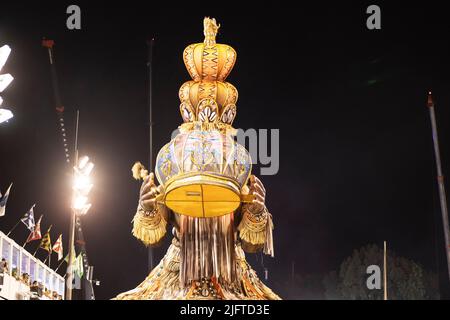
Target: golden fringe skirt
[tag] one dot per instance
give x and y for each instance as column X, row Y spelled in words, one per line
column 163, row 283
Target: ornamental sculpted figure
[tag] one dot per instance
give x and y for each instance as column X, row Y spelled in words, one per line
column 206, row 193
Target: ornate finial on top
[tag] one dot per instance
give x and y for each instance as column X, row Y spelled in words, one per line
column 210, row 28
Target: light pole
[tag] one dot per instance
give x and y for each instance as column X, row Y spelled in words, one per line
column 80, row 206
column 5, row 80
column 81, row 187
column 440, row 179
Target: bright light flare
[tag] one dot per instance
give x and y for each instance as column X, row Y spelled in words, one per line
column 5, row 80
column 4, row 54
column 84, row 166
column 5, row 115
column 83, row 161
column 82, row 183
column 80, row 205
column 82, row 186
column 79, row 202
column 88, row 168
column 85, row 209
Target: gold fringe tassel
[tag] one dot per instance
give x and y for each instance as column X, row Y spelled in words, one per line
column 149, row 229
column 268, row 244
column 252, row 237
column 256, row 232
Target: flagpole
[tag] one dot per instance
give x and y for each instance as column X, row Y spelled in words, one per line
column 34, row 254
column 385, row 272
column 150, row 110
column 440, row 179
column 49, row 257
column 73, row 218
column 60, row 264
column 15, row 226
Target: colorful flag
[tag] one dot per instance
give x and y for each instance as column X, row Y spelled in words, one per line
column 78, row 266
column 45, row 242
column 58, row 247
column 66, row 259
column 36, row 234
column 28, row 219
column 3, row 201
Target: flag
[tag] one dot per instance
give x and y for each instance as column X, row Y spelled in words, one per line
column 36, row 234
column 70, row 279
column 3, row 201
column 66, row 259
column 76, row 282
column 78, row 266
column 58, row 247
column 45, row 242
column 28, row 219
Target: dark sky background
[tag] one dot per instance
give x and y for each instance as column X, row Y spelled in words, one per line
column 356, row 157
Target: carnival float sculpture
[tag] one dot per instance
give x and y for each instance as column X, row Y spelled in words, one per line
column 206, row 192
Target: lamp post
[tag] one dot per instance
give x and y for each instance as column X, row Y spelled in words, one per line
column 5, row 80
column 80, row 206
column 80, row 189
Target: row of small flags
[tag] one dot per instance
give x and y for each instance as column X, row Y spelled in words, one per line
column 35, row 234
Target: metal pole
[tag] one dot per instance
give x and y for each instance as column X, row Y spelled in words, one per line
column 59, row 108
column 292, row 271
column 88, row 289
column 150, row 111
column 385, row 272
column 440, row 180
column 13, row 228
column 69, row 277
column 59, row 265
column 150, row 99
column 69, row 273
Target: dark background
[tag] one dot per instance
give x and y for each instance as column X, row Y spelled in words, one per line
column 356, row 156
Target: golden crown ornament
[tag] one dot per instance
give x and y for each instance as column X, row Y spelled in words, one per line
column 203, row 170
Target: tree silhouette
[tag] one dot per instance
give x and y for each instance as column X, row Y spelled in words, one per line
column 407, row 280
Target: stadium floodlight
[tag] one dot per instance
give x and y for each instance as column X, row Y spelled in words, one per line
column 5, row 80
column 4, row 54
column 82, row 186
column 5, row 115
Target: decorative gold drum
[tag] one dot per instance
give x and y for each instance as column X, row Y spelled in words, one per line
column 203, row 172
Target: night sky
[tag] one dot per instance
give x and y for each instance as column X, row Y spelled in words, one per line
column 356, row 155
